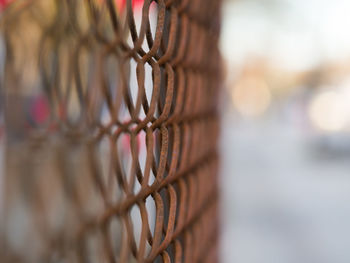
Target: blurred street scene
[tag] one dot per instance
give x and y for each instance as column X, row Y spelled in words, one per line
column 285, row 131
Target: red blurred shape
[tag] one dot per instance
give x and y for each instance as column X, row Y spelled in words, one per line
column 121, row 4
column 4, row 3
column 40, row 110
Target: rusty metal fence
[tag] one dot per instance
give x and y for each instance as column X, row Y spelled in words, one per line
column 109, row 111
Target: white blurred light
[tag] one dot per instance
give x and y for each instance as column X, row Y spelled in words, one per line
column 328, row 112
column 295, row 35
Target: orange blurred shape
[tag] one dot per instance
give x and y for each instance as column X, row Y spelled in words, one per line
column 251, row 96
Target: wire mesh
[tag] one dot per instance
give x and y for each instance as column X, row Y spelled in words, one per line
column 110, row 117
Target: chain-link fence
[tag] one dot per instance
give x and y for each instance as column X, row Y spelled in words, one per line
column 110, row 117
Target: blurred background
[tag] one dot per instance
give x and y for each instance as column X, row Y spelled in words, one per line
column 285, row 131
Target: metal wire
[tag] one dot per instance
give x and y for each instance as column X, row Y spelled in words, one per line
column 111, row 130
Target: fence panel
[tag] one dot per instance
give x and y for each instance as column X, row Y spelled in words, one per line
column 111, row 126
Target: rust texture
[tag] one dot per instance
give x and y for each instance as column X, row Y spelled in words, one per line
column 111, row 124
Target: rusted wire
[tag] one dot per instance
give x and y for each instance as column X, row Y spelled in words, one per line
column 111, row 130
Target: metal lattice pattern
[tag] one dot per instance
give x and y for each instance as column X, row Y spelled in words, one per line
column 111, row 124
